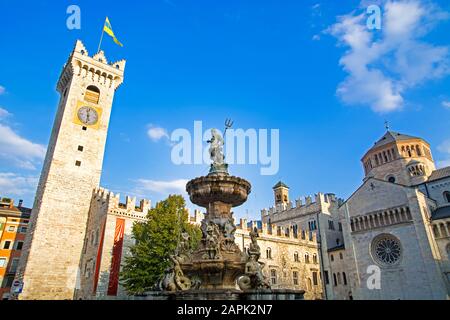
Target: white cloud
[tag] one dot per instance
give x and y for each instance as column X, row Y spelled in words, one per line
column 4, row 113
column 382, row 65
column 20, row 151
column 2, row 90
column 14, row 184
column 157, row 133
column 446, row 104
column 163, row 187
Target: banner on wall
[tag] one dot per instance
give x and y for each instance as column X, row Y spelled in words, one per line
column 116, row 257
column 99, row 258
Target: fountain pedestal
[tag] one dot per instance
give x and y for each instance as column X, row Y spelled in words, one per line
column 218, row 261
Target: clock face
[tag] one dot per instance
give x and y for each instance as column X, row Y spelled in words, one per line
column 88, row 115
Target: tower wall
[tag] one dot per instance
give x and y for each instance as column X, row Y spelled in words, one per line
column 49, row 268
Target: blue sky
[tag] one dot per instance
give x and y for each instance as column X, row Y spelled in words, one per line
column 311, row 69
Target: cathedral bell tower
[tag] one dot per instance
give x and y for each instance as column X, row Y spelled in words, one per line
column 49, row 267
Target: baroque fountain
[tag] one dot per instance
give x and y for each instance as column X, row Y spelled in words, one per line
column 218, row 269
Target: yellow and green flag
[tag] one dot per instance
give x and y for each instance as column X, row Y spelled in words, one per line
column 108, row 29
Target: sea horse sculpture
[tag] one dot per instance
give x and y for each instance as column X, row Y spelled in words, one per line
column 254, row 277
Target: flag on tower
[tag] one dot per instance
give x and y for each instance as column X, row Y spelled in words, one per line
column 108, row 29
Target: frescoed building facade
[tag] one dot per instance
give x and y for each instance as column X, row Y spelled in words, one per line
column 14, row 221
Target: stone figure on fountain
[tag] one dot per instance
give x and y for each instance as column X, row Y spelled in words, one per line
column 254, row 277
column 212, row 243
column 174, row 278
column 216, row 154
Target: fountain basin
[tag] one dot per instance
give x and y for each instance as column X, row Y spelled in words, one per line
column 218, row 188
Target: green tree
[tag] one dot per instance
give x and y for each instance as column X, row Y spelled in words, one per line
column 156, row 240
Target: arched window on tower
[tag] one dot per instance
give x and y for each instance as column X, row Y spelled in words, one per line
column 92, row 94
column 419, row 153
column 447, row 196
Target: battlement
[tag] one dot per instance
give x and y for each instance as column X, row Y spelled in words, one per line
column 280, row 232
column 305, row 205
column 197, row 218
column 113, row 200
column 107, row 75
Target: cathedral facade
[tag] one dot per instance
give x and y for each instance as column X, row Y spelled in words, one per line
column 396, row 229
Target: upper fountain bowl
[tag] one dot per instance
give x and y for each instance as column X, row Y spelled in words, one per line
column 213, row 188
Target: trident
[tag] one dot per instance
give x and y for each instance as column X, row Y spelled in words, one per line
column 228, row 125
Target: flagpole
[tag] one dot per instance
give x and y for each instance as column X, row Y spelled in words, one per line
column 101, row 38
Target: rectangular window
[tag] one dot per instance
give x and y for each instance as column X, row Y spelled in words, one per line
column 23, row 229
column 331, row 225
column 11, row 229
column 84, row 128
column 7, row 245
column 327, row 278
column 78, row 163
column 340, row 226
column 19, row 245
column 295, row 278
column 80, row 148
column 273, row 276
column 14, row 265
column 315, row 279
column 9, row 281
column 3, row 262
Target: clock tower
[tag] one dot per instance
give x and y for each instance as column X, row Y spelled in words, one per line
column 50, row 263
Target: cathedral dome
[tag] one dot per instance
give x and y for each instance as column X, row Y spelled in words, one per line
column 399, row 158
column 392, row 137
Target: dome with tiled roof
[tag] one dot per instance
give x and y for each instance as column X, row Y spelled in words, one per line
column 399, row 158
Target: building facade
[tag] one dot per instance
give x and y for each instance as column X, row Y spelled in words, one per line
column 391, row 238
column 317, row 214
column 291, row 261
column 107, row 242
column 14, row 221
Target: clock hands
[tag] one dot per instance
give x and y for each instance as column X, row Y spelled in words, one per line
column 88, row 115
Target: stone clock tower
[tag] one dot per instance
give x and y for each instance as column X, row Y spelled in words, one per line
column 50, row 265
